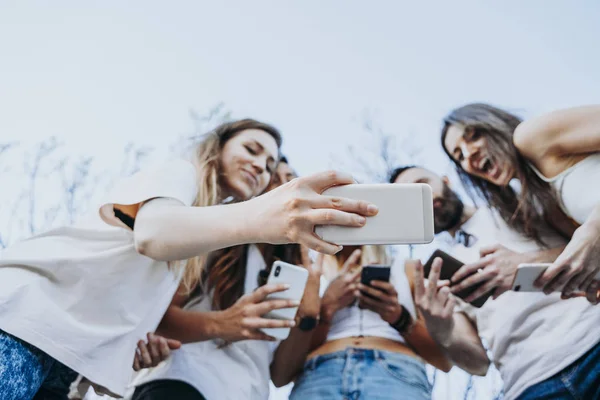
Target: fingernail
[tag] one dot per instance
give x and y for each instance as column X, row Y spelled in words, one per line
column 338, row 249
column 357, row 293
column 287, row 286
column 360, row 219
column 295, row 303
column 292, row 324
column 372, row 209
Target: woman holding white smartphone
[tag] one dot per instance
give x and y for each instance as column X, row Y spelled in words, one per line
column 76, row 300
column 556, row 157
column 226, row 357
column 372, row 347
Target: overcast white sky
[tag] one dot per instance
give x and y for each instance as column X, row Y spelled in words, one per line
column 99, row 74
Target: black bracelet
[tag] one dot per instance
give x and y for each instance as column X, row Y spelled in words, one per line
column 404, row 321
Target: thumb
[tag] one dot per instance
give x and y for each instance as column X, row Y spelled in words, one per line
column 173, row 344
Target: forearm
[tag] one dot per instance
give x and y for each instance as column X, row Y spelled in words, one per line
column 594, row 217
column 188, row 326
column 291, row 354
column 562, row 132
column 465, row 348
column 290, row 357
column 167, row 232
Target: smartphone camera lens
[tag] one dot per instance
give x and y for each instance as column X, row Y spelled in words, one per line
column 277, row 270
column 517, row 288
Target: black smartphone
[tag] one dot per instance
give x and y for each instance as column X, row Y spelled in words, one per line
column 374, row 273
column 449, row 267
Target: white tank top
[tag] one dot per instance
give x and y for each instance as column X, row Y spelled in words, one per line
column 578, row 187
column 353, row 321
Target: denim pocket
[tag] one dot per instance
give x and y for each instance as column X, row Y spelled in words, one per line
column 407, row 371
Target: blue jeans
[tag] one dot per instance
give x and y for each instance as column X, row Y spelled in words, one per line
column 359, row 374
column 28, row 373
column 580, row 381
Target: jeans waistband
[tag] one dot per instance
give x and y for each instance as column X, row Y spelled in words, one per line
column 366, row 354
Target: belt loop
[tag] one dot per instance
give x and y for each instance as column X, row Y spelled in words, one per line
column 312, row 363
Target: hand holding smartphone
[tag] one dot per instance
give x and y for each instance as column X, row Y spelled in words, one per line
column 374, row 273
column 450, row 266
column 296, row 277
column 405, row 215
column 527, row 274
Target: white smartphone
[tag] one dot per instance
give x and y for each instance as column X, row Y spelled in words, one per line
column 528, row 273
column 405, row 215
column 296, row 277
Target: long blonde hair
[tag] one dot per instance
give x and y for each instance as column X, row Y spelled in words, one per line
column 369, row 255
column 210, row 180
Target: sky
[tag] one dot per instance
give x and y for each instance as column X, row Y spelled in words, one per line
column 100, row 74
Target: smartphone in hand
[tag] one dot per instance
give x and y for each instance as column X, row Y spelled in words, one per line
column 374, row 273
column 405, row 215
column 296, row 277
column 527, row 274
column 450, row 266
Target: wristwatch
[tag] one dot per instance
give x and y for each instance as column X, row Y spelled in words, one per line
column 404, row 323
column 307, row 324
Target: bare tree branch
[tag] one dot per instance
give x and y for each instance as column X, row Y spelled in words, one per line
column 33, row 168
column 5, row 148
column 202, row 124
column 379, row 152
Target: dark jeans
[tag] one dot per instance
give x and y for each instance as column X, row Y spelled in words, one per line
column 579, row 381
column 27, row 373
column 166, row 389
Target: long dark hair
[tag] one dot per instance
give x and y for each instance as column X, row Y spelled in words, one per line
column 527, row 213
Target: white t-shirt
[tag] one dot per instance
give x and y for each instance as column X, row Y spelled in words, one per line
column 237, row 371
column 83, row 294
column 531, row 336
column 353, row 321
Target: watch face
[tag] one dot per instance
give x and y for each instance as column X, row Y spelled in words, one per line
column 307, row 323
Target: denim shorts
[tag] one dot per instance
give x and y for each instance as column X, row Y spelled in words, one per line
column 28, row 373
column 357, row 374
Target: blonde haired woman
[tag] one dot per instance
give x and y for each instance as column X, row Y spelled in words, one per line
column 368, row 347
column 77, row 299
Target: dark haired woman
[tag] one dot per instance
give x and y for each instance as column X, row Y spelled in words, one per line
column 556, row 158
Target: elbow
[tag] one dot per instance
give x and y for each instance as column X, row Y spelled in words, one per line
column 150, row 247
column 280, row 379
column 142, row 246
column 482, row 369
column 279, row 382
